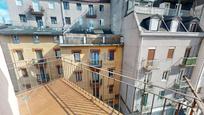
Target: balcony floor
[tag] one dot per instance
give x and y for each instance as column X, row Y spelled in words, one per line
column 60, row 97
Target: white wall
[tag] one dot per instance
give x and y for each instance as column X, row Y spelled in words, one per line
column 8, row 101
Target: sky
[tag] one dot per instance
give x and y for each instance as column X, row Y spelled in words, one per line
column 3, row 11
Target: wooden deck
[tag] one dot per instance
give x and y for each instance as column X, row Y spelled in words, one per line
column 61, row 97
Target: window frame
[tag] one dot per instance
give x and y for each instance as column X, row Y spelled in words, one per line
column 78, row 76
column 36, row 39
column 24, row 72
column 75, row 56
column 59, row 69
column 111, row 70
column 53, row 19
column 110, row 89
column 23, row 18
column 15, row 39
column 101, row 8
column 78, row 6
column 111, row 57
column 57, row 53
column 66, row 5
column 21, row 53
column 170, row 54
column 68, row 20
column 165, row 76
column 51, row 5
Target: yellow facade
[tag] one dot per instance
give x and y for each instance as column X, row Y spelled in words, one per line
column 28, row 48
column 86, row 82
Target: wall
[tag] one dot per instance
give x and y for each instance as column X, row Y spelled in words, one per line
column 69, row 71
column 8, row 105
column 27, row 46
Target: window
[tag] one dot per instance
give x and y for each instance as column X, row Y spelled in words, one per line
column 161, row 93
column 67, row 20
column 144, row 99
column 57, row 53
column 110, row 70
column 154, row 23
column 77, row 56
column 110, row 102
column 101, row 22
column 28, row 86
column 36, row 5
column 23, row 18
column 181, row 73
column 20, row 54
column 78, row 6
column 39, row 54
column 110, row 89
column 56, row 39
column 165, row 75
column 101, row 8
column 51, row 4
column 16, row 39
column 59, row 69
column 170, row 53
column 193, row 27
column 24, row 72
column 36, row 39
column 66, row 5
column 111, row 54
column 95, row 77
column 151, row 53
column 19, row 2
column 53, row 20
column 78, row 75
column 149, row 77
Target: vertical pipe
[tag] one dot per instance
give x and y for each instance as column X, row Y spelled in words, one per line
column 163, row 111
column 152, row 106
column 133, row 99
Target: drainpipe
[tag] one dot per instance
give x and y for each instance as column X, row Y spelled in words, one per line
column 62, row 14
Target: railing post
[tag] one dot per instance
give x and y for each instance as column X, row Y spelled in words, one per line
column 84, row 40
column 104, row 39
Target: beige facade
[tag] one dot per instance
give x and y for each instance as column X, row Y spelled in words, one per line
column 27, row 71
column 91, row 68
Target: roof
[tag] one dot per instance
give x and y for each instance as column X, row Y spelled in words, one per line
column 144, row 21
column 16, row 30
column 60, row 97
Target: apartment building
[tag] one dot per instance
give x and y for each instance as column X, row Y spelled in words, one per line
column 84, row 15
column 99, row 52
column 24, row 48
column 166, row 41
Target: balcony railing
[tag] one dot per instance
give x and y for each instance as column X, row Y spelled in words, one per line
column 96, row 83
column 160, row 11
column 149, row 65
column 91, row 40
column 188, row 61
column 43, row 78
column 96, row 63
column 39, row 12
column 135, row 98
column 91, row 14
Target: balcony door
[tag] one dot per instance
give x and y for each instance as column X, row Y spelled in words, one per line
column 95, row 57
column 39, row 21
column 91, row 10
column 151, row 54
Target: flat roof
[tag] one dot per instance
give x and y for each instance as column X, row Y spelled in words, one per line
column 16, row 30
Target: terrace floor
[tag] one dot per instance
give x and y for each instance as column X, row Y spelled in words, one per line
column 61, row 97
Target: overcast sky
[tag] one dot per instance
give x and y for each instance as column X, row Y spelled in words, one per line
column 3, row 11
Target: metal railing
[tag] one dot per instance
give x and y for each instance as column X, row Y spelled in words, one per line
column 91, row 40
column 150, row 64
column 129, row 96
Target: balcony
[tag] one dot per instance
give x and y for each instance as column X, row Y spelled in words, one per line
column 43, row 78
column 96, row 83
column 160, row 11
column 96, row 63
column 90, row 40
column 38, row 12
column 91, row 14
column 149, row 65
column 188, row 62
column 39, row 62
column 64, row 94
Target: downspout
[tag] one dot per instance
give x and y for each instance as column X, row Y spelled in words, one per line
column 62, row 14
